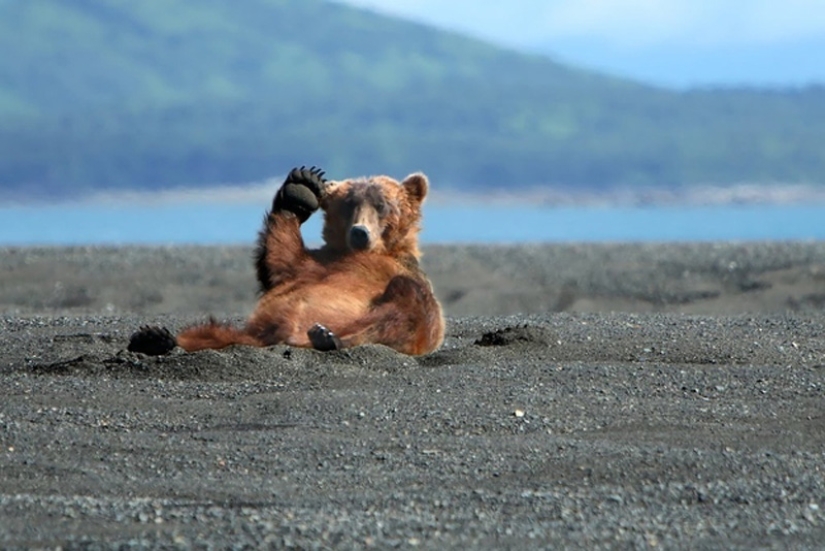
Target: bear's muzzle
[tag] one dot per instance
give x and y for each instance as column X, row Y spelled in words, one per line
column 359, row 237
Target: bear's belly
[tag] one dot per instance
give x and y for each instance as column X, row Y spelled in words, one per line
column 285, row 315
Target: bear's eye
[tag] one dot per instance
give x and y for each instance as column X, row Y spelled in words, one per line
column 348, row 206
column 381, row 207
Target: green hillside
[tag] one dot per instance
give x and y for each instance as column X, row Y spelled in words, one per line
column 157, row 93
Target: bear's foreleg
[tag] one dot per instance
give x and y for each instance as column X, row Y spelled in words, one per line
column 406, row 317
column 281, row 249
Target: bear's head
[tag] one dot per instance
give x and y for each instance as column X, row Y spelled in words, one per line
column 376, row 214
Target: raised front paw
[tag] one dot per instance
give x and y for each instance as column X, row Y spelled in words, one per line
column 301, row 192
column 323, row 339
column 151, row 340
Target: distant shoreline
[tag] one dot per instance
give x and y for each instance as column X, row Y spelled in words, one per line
column 740, row 194
column 550, row 196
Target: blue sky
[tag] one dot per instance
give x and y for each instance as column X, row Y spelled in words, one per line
column 674, row 43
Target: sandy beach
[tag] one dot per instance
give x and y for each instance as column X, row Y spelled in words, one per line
column 587, row 397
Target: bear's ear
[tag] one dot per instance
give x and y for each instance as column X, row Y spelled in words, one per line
column 416, row 185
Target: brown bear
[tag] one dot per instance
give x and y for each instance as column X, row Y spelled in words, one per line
column 364, row 285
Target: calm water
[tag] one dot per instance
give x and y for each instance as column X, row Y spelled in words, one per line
column 228, row 223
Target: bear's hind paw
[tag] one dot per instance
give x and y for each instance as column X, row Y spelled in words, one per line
column 323, row 339
column 152, row 340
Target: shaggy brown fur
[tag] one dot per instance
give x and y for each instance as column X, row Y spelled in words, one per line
column 363, row 286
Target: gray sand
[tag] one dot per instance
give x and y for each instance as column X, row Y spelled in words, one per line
column 589, row 396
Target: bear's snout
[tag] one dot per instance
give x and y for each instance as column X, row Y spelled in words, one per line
column 359, row 237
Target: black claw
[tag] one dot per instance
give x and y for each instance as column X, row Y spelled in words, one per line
column 317, row 172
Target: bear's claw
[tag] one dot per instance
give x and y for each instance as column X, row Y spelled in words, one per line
column 312, row 177
column 152, row 340
column 323, row 339
column 301, row 192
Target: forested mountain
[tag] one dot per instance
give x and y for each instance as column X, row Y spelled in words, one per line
column 149, row 94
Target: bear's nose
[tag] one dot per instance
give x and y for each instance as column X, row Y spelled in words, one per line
column 359, row 237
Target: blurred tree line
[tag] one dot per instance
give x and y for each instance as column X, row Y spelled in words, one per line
column 115, row 94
